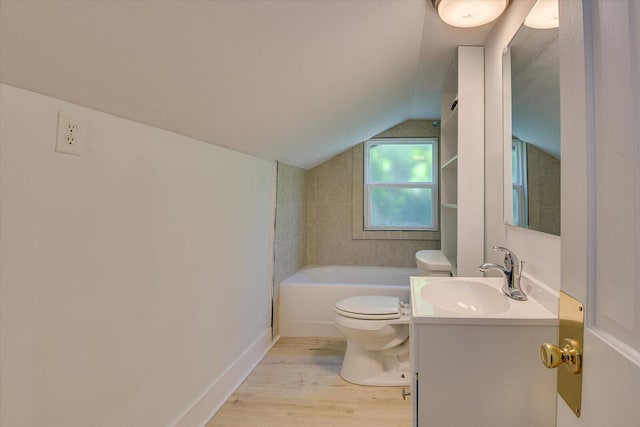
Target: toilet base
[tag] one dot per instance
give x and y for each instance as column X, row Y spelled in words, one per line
column 376, row 368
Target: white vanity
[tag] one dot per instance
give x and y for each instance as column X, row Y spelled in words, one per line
column 475, row 355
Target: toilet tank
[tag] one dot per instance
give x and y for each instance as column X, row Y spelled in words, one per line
column 433, row 263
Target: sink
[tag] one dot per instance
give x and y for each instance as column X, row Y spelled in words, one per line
column 465, row 297
column 471, row 341
column 471, row 300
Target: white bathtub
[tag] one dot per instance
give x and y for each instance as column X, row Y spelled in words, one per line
column 307, row 297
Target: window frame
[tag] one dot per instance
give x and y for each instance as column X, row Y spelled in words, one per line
column 367, row 186
column 519, row 182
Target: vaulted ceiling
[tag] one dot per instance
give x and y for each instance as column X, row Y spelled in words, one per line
column 295, row 81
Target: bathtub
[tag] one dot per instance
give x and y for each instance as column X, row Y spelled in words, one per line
column 307, row 297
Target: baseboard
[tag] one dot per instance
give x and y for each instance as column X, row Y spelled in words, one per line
column 206, row 405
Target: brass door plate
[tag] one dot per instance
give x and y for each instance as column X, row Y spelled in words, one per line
column 571, row 315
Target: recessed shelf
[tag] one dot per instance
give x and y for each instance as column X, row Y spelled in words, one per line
column 462, row 160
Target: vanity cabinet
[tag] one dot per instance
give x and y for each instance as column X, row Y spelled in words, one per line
column 481, row 375
column 462, row 162
column 480, row 370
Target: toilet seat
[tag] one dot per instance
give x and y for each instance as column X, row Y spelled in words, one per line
column 369, row 307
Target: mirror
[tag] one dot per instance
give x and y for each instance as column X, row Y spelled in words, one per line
column 531, row 73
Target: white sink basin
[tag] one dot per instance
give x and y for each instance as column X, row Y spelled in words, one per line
column 465, row 297
column 471, row 300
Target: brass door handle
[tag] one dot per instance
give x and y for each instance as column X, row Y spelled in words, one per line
column 570, row 355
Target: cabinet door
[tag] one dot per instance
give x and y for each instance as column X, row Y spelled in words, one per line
column 483, row 375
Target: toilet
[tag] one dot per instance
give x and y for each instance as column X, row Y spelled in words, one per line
column 433, row 263
column 377, row 331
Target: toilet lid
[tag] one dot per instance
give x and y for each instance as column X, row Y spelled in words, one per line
column 370, row 307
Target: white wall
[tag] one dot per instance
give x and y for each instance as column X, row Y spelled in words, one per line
column 133, row 278
column 541, row 252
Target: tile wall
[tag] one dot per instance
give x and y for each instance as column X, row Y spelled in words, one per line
column 334, row 205
column 543, row 179
column 290, row 240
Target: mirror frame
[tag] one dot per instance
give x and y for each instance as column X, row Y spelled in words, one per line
column 507, row 131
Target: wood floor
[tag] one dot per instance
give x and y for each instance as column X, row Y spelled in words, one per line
column 298, row 384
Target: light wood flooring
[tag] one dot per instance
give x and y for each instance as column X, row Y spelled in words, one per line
column 298, row 384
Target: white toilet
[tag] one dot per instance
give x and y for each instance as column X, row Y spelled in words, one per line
column 377, row 331
column 433, row 263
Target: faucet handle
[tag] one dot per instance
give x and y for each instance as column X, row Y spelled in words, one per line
column 510, row 259
column 501, row 249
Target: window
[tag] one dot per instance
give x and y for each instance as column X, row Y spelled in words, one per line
column 519, row 175
column 401, row 184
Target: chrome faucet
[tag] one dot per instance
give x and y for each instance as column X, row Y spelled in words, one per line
column 511, row 271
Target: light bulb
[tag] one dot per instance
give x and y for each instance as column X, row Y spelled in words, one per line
column 543, row 15
column 469, row 13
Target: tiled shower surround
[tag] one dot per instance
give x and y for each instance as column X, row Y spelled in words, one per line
column 334, row 201
column 290, row 239
column 543, row 175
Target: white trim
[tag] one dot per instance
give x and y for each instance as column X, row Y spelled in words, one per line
column 272, row 243
column 211, row 400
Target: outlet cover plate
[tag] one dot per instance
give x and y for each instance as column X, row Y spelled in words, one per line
column 71, row 134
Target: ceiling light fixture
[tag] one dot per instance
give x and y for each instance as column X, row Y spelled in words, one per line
column 544, row 15
column 469, row 13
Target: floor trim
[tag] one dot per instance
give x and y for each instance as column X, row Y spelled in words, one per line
column 207, row 404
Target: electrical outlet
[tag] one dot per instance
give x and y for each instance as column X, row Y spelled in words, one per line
column 71, row 133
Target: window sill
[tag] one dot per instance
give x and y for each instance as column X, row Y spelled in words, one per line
column 360, row 234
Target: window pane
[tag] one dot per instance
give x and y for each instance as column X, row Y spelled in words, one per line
column 409, row 207
column 389, row 163
column 515, row 163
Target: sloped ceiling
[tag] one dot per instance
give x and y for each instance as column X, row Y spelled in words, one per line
column 535, row 88
column 295, row 81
